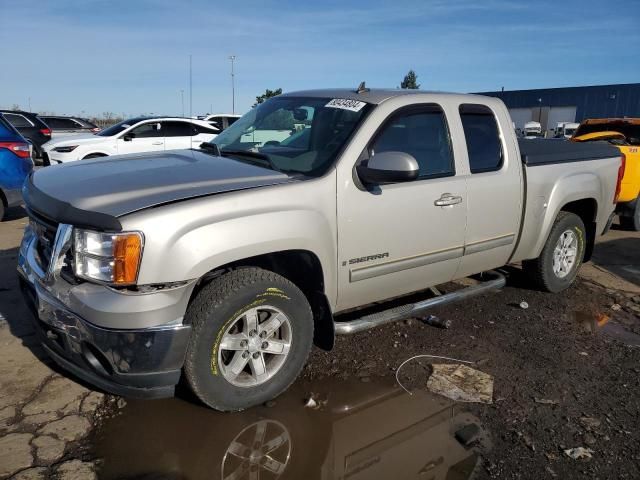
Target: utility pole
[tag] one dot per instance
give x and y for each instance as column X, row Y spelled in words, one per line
column 233, row 85
column 29, row 103
column 182, row 98
column 190, row 88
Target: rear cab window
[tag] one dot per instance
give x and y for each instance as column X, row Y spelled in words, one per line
column 482, row 136
column 422, row 132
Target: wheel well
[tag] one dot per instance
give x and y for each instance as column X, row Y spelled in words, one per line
column 94, row 155
column 3, row 199
column 587, row 210
column 302, row 268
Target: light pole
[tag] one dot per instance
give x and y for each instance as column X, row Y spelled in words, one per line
column 182, row 98
column 29, row 103
column 190, row 89
column 233, row 85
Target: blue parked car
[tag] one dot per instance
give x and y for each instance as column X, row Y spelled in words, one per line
column 15, row 165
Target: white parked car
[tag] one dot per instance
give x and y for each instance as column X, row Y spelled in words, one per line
column 142, row 134
column 221, row 121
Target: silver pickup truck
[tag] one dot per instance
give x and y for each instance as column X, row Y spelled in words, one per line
column 223, row 265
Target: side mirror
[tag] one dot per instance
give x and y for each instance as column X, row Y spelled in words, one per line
column 389, row 167
column 128, row 137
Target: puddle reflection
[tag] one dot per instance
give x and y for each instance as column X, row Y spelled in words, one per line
column 364, row 431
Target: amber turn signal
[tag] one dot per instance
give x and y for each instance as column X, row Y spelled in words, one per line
column 126, row 255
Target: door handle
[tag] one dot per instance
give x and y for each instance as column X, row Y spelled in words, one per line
column 447, row 199
column 157, row 143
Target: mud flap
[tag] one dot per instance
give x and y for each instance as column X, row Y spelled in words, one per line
column 323, row 325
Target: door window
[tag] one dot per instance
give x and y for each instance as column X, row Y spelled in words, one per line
column 63, row 123
column 148, row 130
column 483, row 138
column 18, row 121
column 422, row 133
column 178, row 129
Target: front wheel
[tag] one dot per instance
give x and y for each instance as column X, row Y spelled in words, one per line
column 557, row 266
column 251, row 334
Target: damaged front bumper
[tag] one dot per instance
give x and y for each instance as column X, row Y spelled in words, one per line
column 142, row 362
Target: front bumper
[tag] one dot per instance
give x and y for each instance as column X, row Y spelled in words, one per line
column 138, row 363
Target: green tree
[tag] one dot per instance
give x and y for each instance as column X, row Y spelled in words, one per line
column 266, row 95
column 410, row 81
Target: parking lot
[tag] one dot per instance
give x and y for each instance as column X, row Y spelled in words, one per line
column 565, row 372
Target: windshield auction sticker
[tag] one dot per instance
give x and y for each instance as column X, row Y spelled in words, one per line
column 345, row 104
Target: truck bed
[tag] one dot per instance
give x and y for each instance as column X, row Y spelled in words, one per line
column 536, row 152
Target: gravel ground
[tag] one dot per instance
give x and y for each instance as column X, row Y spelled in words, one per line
column 586, row 383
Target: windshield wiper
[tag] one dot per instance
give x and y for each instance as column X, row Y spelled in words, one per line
column 211, row 147
column 264, row 159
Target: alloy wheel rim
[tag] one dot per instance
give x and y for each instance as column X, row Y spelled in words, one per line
column 255, row 346
column 565, row 254
column 263, row 447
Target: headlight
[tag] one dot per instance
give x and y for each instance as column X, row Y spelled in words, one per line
column 68, row 149
column 112, row 258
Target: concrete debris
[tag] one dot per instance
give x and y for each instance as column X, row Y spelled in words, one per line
column 524, row 305
column 311, row 403
column 578, row 453
column 545, row 401
column 616, row 307
column 461, row 383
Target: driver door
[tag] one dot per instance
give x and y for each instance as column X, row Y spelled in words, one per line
column 148, row 137
column 395, row 238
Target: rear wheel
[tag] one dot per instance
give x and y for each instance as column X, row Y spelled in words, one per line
column 2, row 208
column 632, row 220
column 252, row 333
column 557, row 266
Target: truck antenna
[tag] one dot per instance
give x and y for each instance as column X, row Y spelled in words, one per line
column 362, row 88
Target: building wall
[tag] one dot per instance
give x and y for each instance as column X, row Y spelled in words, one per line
column 599, row 101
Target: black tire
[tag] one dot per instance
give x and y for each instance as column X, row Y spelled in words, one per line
column 212, row 312
column 93, row 155
column 2, row 208
column 540, row 270
column 631, row 221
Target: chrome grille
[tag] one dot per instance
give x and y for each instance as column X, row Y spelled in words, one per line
column 45, row 233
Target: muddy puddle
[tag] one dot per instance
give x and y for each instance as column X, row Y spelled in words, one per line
column 603, row 324
column 362, row 431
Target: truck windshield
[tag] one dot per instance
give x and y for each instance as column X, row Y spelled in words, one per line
column 294, row 134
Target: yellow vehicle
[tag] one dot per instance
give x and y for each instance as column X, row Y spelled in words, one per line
column 624, row 133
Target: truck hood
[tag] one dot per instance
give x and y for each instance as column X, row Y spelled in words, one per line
column 95, row 192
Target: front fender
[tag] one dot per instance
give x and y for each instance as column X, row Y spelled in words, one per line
column 188, row 239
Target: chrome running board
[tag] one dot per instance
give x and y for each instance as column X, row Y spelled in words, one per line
column 496, row 281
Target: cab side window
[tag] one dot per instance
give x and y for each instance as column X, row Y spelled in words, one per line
column 483, row 138
column 423, row 133
column 178, row 129
column 148, row 130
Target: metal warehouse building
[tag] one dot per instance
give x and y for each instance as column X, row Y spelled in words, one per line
column 571, row 104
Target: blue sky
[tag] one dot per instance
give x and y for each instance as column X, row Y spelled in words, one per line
column 93, row 56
